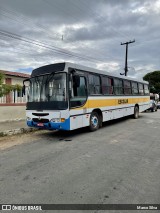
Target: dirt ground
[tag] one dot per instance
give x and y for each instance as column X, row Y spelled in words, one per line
column 14, row 140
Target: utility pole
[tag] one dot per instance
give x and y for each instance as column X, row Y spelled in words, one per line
column 126, row 64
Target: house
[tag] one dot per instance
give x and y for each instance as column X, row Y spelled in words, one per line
column 14, row 97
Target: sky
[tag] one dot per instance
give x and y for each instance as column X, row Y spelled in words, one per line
column 86, row 32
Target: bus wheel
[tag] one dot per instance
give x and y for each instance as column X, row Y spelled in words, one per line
column 136, row 112
column 94, row 121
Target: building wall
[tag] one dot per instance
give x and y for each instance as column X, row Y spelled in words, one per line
column 13, row 97
column 8, row 96
column 16, row 80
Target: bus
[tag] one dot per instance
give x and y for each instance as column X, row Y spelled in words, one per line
column 68, row 96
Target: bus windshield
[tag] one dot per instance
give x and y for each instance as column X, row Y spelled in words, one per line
column 48, row 88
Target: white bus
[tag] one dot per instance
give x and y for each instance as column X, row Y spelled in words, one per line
column 67, row 96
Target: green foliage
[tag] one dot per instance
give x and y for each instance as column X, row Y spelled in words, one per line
column 154, row 80
column 17, row 87
column 1, row 78
column 5, row 88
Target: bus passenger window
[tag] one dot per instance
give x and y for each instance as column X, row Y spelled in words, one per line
column 127, row 87
column 107, row 86
column 79, row 94
column 135, row 88
column 118, row 86
column 141, row 92
column 146, row 90
column 94, row 84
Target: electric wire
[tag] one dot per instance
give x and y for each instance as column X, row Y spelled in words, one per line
column 30, row 21
column 43, row 45
column 21, row 18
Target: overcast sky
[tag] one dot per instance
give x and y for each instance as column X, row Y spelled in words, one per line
column 87, row 32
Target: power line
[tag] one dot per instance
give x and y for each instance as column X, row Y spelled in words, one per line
column 19, row 21
column 43, row 45
column 22, row 51
column 143, row 42
column 75, row 17
column 20, row 18
column 42, row 29
column 103, row 20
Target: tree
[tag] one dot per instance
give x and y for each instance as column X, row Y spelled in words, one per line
column 5, row 88
column 154, row 81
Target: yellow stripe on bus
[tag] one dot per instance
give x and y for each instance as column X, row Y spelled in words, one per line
column 112, row 102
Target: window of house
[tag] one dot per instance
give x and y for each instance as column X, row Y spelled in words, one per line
column 118, row 86
column 19, row 93
column 107, row 85
column 94, row 84
column 127, row 87
column 135, row 88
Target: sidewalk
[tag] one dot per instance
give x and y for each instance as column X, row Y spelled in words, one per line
column 14, row 127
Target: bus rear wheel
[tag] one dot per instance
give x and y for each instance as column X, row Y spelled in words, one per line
column 94, row 121
column 136, row 112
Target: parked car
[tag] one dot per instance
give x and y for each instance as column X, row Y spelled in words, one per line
column 153, row 106
column 158, row 105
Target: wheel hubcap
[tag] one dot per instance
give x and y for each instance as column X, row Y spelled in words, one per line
column 94, row 121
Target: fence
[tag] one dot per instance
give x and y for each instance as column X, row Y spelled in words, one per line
column 14, row 97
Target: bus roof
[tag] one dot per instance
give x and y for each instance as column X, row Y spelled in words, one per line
column 89, row 69
column 65, row 65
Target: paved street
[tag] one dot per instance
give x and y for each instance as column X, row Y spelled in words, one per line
column 119, row 163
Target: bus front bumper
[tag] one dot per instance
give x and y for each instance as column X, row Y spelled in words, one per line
column 51, row 125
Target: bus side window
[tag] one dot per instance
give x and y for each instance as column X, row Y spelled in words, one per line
column 107, row 85
column 135, row 88
column 146, row 90
column 111, row 86
column 94, row 84
column 141, row 90
column 127, row 87
column 118, row 86
column 79, row 92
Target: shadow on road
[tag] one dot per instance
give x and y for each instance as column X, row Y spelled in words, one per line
column 69, row 135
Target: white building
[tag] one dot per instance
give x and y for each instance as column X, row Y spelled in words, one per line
column 14, row 98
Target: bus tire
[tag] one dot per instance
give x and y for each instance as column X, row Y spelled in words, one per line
column 136, row 112
column 94, row 121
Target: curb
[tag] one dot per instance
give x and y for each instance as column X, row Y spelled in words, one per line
column 17, row 131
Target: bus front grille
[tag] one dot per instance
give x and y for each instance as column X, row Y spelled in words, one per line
column 40, row 120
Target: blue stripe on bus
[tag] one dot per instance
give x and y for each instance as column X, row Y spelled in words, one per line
column 61, row 126
column 51, row 125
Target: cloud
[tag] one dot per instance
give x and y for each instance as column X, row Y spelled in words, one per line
column 92, row 29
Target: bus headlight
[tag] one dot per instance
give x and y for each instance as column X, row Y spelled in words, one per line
column 28, row 119
column 57, row 120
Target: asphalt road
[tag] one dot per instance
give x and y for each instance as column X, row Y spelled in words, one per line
column 118, row 164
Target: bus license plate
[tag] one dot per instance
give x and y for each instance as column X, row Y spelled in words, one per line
column 40, row 124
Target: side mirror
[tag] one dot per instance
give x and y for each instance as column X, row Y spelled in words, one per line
column 23, row 90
